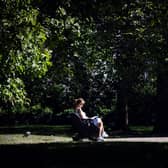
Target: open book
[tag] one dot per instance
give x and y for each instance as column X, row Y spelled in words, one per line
column 94, row 117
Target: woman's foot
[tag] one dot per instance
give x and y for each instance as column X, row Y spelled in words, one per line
column 100, row 139
column 105, row 135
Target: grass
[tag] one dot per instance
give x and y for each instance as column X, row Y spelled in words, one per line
column 32, row 139
column 39, row 134
column 55, row 133
column 37, row 129
column 58, row 133
column 142, row 129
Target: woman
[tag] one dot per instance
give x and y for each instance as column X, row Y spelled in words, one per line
column 78, row 105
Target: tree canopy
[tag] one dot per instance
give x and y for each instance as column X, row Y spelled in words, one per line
column 111, row 53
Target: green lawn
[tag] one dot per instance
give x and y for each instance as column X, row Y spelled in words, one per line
column 37, row 129
column 142, row 129
column 38, row 134
column 32, row 139
column 54, row 133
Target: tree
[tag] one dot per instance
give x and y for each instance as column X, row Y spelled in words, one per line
column 23, row 55
column 162, row 69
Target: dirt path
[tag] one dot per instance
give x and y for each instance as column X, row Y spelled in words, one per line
column 138, row 139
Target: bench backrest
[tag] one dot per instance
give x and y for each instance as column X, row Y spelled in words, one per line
column 79, row 123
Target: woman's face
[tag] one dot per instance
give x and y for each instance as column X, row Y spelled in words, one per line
column 81, row 105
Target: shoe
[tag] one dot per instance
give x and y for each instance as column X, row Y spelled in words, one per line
column 100, row 139
column 105, row 135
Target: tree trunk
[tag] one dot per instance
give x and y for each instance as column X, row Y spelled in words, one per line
column 122, row 107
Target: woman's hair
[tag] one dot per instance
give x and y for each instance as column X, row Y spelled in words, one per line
column 78, row 101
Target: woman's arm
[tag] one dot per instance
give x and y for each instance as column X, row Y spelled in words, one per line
column 82, row 114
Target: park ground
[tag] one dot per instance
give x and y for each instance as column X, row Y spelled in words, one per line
column 52, row 146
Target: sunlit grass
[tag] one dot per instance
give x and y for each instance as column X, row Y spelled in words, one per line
column 38, row 134
column 21, row 139
column 142, row 129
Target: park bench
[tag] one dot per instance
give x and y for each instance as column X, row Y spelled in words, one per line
column 83, row 128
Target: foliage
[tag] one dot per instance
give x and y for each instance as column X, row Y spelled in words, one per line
column 111, row 53
column 23, row 54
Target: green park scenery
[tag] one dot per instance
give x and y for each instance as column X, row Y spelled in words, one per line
column 114, row 54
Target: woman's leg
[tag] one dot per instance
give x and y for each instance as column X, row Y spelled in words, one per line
column 99, row 123
column 101, row 128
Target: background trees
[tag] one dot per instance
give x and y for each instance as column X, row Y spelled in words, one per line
column 113, row 54
column 23, row 55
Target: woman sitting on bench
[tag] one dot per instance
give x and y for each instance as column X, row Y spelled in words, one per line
column 78, row 105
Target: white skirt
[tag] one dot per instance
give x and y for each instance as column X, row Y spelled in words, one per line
column 96, row 121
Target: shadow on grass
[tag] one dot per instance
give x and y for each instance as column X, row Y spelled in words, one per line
column 90, row 154
column 38, row 129
column 82, row 155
